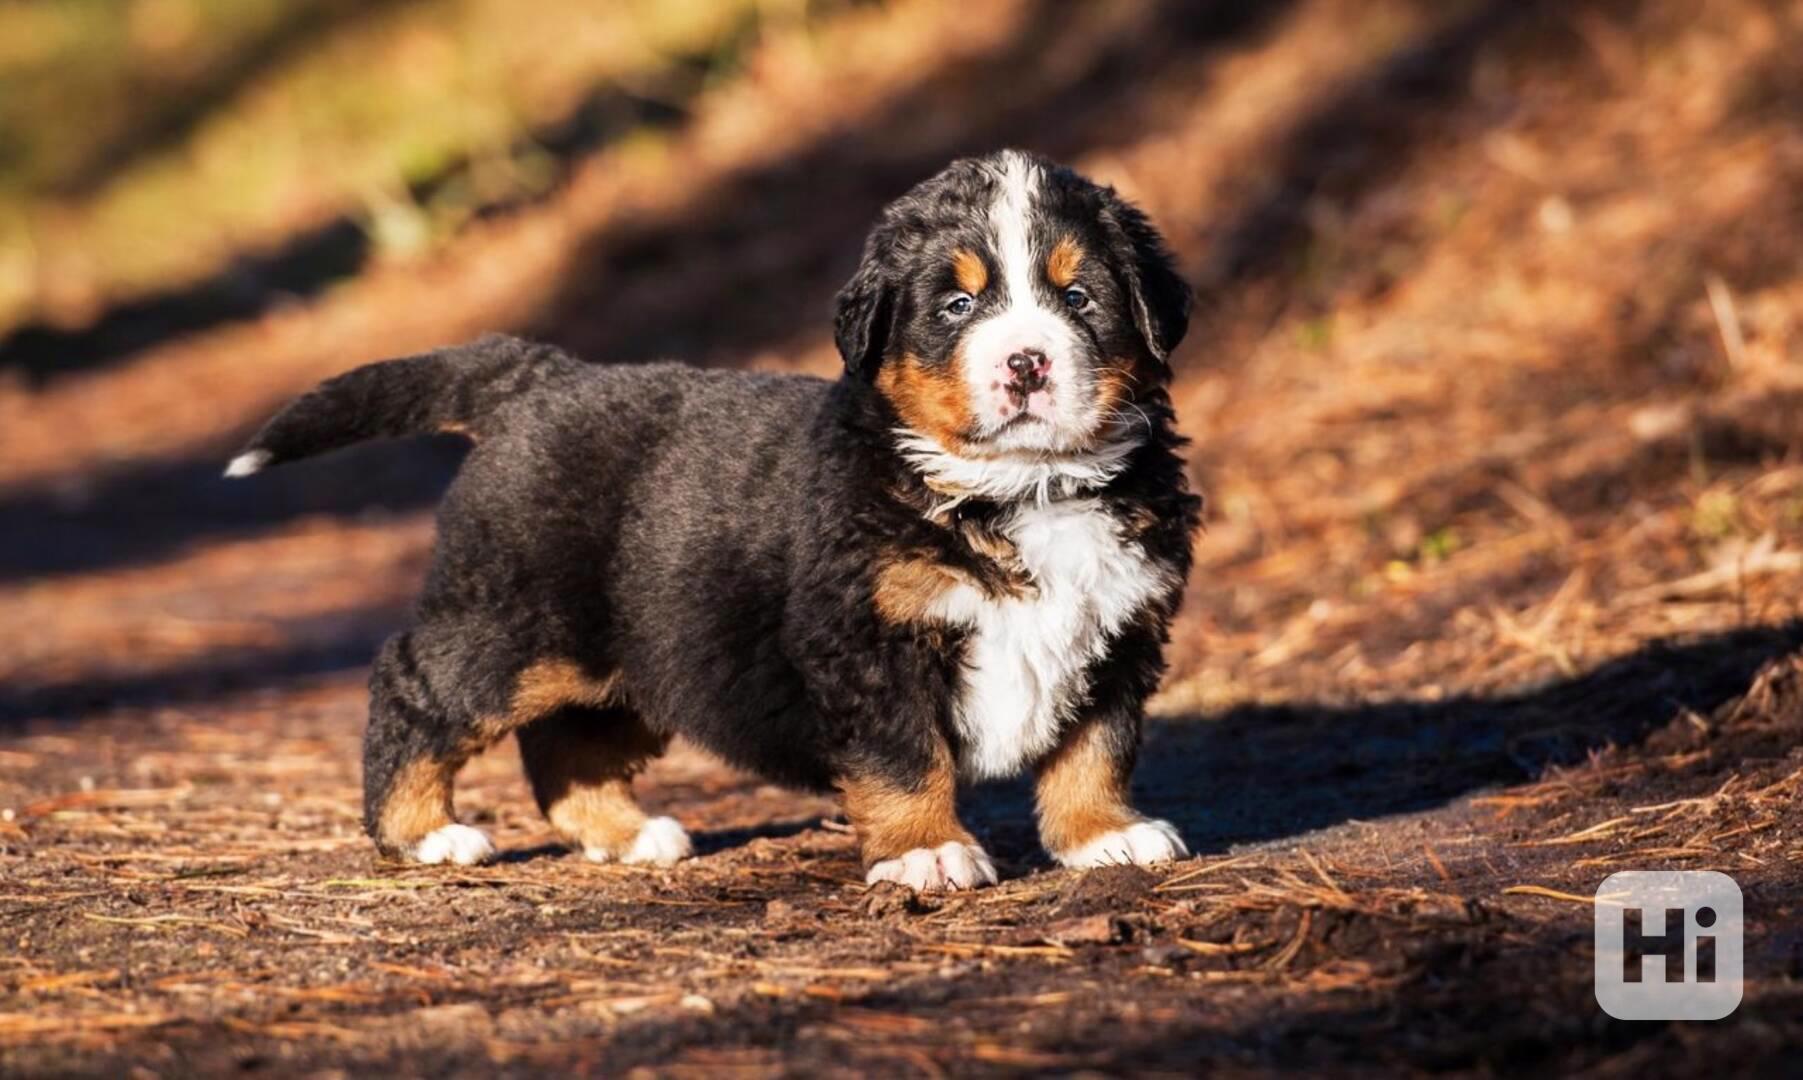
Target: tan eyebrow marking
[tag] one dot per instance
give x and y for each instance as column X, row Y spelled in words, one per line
column 1062, row 264
column 973, row 276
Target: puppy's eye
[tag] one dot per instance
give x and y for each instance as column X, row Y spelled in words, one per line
column 1076, row 299
column 959, row 306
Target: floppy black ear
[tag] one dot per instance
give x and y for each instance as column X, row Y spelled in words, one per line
column 1160, row 296
column 866, row 309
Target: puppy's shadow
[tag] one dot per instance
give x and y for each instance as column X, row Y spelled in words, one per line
column 1262, row 773
column 713, row 841
column 522, row 856
column 706, row 841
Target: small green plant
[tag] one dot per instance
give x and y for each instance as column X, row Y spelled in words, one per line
column 1316, row 333
column 1438, row 546
column 1716, row 515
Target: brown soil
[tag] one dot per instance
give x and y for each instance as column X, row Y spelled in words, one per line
column 1496, row 396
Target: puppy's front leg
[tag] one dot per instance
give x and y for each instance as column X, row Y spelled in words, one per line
column 1084, row 817
column 907, row 823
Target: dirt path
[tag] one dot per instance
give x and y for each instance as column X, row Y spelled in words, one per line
column 222, row 913
column 1497, row 407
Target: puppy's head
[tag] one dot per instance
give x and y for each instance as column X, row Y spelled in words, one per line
column 1009, row 307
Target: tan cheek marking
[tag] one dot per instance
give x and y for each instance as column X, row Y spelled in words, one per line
column 1122, row 379
column 418, row 803
column 891, row 820
column 932, row 401
column 1114, row 386
column 968, row 268
column 1062, row 264
column 1082, row 792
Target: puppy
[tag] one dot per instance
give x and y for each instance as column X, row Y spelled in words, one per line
column 955, row 562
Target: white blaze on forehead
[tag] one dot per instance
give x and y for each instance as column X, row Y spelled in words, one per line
column 1009, row 217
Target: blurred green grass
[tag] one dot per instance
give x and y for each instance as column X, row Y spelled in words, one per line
column 76, row 77
column 144, row 143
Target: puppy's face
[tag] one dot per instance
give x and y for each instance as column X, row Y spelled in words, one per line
column 1009, row 307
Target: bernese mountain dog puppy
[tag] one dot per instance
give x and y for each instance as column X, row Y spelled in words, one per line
column 955, row 562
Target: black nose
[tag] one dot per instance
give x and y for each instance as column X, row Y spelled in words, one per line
column 1024, row 363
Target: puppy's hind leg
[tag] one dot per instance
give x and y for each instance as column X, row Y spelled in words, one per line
column 581, row 762
column 414, row 745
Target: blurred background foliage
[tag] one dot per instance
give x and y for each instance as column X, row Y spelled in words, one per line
column 143, row 142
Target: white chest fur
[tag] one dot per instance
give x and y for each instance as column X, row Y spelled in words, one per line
column 1026, row 659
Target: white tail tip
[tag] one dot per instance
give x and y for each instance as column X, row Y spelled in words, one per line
column 246, row 464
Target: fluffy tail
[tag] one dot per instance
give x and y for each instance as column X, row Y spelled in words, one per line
column 451, row 389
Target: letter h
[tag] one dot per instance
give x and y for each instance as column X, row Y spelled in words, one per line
column 1636, row 944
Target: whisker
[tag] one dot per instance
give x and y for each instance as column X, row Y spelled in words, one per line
column 1118, row 415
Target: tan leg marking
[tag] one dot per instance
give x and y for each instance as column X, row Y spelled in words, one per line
column 418, row 803
column 581, row 765
column 582, row 777
column 1082, row 792
column 542, row 689
column 891, row 819
column 1084, row 817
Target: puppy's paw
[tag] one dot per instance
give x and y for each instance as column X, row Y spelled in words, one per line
column 949, row 866
column 457, row 844
column 1142, row 843
column 660, row 842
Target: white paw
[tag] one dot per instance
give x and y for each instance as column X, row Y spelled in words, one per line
column 949, row 866
column 660, row 842
column 1139, row 844
column 458, row 844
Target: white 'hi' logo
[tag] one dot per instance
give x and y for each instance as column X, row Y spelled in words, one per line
column 1668, row 945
